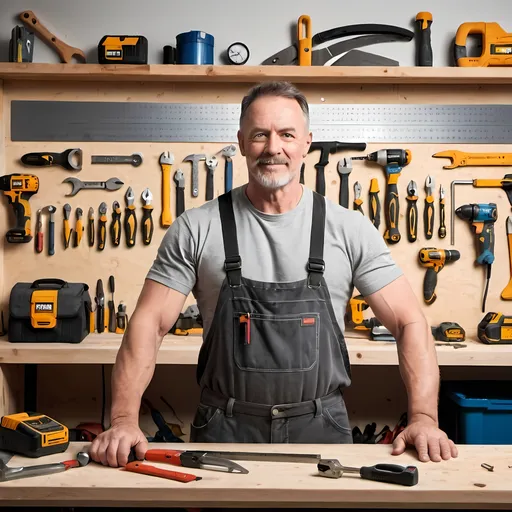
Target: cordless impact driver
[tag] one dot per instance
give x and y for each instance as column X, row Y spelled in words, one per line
column 393, row 160
column 482, row 218
column 19, row 188
column 434, row 260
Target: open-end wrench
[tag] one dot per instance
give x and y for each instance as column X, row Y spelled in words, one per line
column 195, row 159
column 13, row 473
column 344, row 170
column 135, row 159
column 179, row 179
column 211, row 164
column 77, row 185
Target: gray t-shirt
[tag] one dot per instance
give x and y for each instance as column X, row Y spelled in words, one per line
column 273, row 248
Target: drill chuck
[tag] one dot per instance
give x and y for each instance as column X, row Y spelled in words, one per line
column 451, row 255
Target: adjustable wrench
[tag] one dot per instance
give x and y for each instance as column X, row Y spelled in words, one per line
column 135, row 159
column 77, row 185
column 166, row 161
column 211, row 164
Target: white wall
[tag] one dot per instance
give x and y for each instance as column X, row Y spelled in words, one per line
column 266, row 26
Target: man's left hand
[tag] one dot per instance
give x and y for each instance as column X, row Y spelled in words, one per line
column 430, row 442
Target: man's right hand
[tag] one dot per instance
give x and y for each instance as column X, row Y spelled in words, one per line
column 112, row 447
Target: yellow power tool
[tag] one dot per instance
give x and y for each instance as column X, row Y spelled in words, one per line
column 496, row 45
column 354, row 319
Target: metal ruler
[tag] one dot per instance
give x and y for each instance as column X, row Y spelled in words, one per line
column 214, row 122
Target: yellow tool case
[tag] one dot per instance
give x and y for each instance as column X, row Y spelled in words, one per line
column 49, row 310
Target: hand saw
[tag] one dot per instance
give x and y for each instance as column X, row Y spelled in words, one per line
column 496, row 45
column 372, row 34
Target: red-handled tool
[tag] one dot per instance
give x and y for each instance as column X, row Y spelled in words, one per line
column 146, row 469
column 191, row 459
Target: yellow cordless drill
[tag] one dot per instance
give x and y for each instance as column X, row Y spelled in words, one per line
column 19, row 188
column 434, row 260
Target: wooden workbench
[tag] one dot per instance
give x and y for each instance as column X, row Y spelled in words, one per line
column 449, row 484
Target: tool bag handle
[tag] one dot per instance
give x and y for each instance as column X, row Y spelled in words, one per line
column 58, row 282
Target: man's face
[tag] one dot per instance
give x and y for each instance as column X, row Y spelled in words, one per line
column 274, row 139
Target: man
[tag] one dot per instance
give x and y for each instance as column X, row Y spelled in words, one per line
column 272, row 266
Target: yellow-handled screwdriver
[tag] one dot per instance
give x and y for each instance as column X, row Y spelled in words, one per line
column 67, row 228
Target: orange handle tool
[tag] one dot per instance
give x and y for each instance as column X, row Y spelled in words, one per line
column 146, row 469
column 304, row 40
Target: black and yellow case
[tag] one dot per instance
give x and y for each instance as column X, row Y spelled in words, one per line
column 49, row 310
column 123, row 50
column 33, row 434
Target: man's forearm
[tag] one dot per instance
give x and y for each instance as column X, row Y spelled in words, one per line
column 419, row 369
column 134, row 368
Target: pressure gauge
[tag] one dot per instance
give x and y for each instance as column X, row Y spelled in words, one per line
column 238, row 53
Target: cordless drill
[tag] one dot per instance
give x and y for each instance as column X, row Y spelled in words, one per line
column 19, row 188
column 434, row 260
column 393, row 160
column 482, row 218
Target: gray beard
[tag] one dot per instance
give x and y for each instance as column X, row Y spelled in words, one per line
column 272, row 182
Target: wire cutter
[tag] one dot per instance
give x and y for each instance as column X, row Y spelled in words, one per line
column 191, row 459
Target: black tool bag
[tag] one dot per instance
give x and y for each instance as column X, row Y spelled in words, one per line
column 49, row 310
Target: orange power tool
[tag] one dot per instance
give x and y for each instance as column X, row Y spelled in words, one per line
column 19, row 188
column 496, row 45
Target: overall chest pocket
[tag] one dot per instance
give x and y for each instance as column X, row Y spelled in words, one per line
column 276, row 343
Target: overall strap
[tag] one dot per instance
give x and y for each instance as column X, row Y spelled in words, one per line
column 232, row 262
column 316, row 263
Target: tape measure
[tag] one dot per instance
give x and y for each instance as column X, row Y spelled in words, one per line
column 123, row 50
column 495, row 328
column 32, row 434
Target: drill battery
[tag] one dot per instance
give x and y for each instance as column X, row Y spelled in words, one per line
column 33, row 434
column 123, row 50
column 449, row 331
column 495, row 328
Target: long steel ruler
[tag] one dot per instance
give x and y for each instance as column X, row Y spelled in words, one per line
column 79, row 121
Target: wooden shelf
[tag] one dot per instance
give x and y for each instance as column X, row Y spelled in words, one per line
column 245, row 74
column 102, row 348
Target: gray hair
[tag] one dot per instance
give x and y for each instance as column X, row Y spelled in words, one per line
column 282, row 89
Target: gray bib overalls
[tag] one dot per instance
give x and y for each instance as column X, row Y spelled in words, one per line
column 274, row 361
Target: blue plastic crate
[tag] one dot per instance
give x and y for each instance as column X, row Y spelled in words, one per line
column 477, row 412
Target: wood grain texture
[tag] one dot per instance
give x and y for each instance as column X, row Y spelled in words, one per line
column 102, row 348
column 245, row 74
column 449, row 484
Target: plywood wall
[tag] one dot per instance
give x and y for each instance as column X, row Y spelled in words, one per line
column 460, row 284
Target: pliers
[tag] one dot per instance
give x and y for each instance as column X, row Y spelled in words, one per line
column 357, row 197
column 189, row 459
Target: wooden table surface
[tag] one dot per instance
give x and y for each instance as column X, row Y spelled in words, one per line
column 449, row 484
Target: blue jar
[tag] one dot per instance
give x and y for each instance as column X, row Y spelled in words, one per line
column 194, row 47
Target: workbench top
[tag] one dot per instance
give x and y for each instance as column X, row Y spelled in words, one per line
column 449, row 484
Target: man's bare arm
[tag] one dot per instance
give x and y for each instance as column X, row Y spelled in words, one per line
column 156, row 312
column 397, row 308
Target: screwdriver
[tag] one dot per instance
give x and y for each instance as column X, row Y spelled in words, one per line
column 102, row 226
column 130, row 220
column 390, row 473
column 39, row 232
column 374, row 202
column 424, row 44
